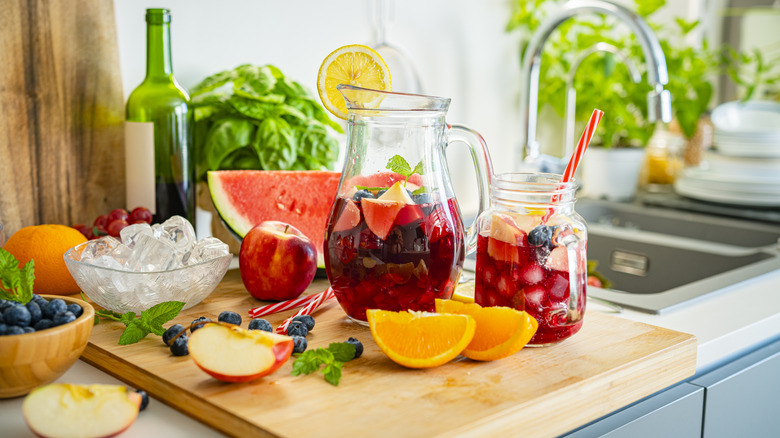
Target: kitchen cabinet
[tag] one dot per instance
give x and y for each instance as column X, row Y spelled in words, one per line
column 741, row 396
column 735, row 399
column 674, row 412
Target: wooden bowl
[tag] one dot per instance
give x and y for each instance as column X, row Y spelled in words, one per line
column 38, row 358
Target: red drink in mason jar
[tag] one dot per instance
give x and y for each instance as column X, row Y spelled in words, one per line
column 531, row 254
column 393, row 250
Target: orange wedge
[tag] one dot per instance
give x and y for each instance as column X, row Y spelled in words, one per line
column 501, row 331
column 420, row 339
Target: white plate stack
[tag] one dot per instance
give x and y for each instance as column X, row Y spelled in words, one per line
column 744, row 167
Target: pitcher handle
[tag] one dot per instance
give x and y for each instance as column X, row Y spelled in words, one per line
column 484, row 172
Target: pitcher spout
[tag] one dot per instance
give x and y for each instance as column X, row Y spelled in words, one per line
column 359, row 99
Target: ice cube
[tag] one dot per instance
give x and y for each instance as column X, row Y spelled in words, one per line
column 130, row 233
column 122, row 253
column 106, row 261
column 180, row 233
column 98, row 247
column 150, row 254
column 532, row 274
column 211, row 247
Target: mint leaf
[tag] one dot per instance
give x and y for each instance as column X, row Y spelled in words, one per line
column 418, row 169
column 307, row 363
column 150, row 320
column 15, row 284
column 161, row 313
column 133, row 333
column 342, row 351
column 398, row 165
column 332, row 373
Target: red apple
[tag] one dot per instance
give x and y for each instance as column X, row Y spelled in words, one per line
column 62, row 409
column 505, row 239
column 232, row 354
column 277, row 261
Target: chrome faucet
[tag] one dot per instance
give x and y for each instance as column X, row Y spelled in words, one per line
column 659, row 101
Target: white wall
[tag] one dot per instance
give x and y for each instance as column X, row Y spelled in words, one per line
column 460, row 49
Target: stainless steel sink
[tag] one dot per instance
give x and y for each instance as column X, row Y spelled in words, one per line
column 659, row 259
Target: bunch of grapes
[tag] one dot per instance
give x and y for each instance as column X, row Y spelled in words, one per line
column 111, row 224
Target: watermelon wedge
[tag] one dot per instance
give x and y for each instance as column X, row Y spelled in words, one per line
column 301, row 198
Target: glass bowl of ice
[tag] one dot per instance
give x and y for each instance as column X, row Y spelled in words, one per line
column 149, row 265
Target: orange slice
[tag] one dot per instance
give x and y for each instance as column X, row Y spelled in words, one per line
column 501, row 331
column 420, row 339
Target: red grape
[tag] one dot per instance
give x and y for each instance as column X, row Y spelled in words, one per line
column 140, row 214
column 85, row 230
column 116, row 226
column 118, row 214
column 101, row 221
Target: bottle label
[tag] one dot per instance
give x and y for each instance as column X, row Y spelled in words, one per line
column 139, row 165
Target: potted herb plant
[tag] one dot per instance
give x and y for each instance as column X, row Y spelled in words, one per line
column 602, row 82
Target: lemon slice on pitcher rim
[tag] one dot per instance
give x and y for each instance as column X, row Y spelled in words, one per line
column 356, row 65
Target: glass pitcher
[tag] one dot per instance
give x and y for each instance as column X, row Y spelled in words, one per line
column 531, row 253
column 395, row 238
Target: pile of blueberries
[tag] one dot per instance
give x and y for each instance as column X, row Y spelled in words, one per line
column 298, row 329
column 38, row 314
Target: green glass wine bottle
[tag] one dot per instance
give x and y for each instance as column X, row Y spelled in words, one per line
column 159, row 151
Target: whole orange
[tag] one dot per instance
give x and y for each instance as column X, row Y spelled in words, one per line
column 46, row 244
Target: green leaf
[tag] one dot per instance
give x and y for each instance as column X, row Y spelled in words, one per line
column 399, row 165
column 418, row 169
column 134, row 332
column 161, row 313
column 332, row 373
column 648, row 7
column 275, row 144
column 225, row 137
column 212, row 82
column 686, row 26
column 308, row 362
column 342, row 351
column 16, row 284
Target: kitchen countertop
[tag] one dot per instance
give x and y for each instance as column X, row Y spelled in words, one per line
column 728, row 322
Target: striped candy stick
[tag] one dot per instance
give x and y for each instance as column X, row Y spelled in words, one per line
column 307, row 310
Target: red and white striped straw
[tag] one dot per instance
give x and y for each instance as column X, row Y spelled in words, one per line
column 281, row 306
column 585, row 139
column 307, row 310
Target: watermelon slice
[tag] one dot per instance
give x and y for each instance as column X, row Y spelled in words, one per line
column 301, row 198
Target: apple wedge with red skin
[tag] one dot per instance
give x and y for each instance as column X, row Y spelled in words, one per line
column 68, row 410
column 232, row 354
column 395, row 206
column 349, row 217
column 277, row 261
column 505, row 238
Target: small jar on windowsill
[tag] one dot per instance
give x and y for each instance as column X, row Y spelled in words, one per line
column 663, row 161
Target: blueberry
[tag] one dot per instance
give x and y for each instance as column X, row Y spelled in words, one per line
column 380, row 193
column 171, row 332
column 202, row 320
column 14, row 330
column 42, row 302
column 180, row 346
column 540, row 236
column 54, row 307
column 28, row 329
column 299, row 344
column 17, row 315
column 260, row 324
column 230, row 317
column 358, row 347
column 360, row 194
column 144, row 399
column 3, row 328
column 63, row 318
column 43, row 324
column 297, row 328
column 75, row 309
column 2, row 318
column 422, row 198
column 307, row 320
column 35, row 312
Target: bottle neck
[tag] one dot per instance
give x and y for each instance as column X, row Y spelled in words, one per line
column 158, row 44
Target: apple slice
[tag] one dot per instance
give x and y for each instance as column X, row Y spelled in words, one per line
column 67, row 410
column 232, row 354
column 409, row 214
column 380, row 215
column 397, row 192
column 505, row 239
column 349, row 218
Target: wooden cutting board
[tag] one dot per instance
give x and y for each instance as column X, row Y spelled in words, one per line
column 61, row 112
column 610, row 363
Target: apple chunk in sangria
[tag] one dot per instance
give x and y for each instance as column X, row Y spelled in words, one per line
column 393, row 248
